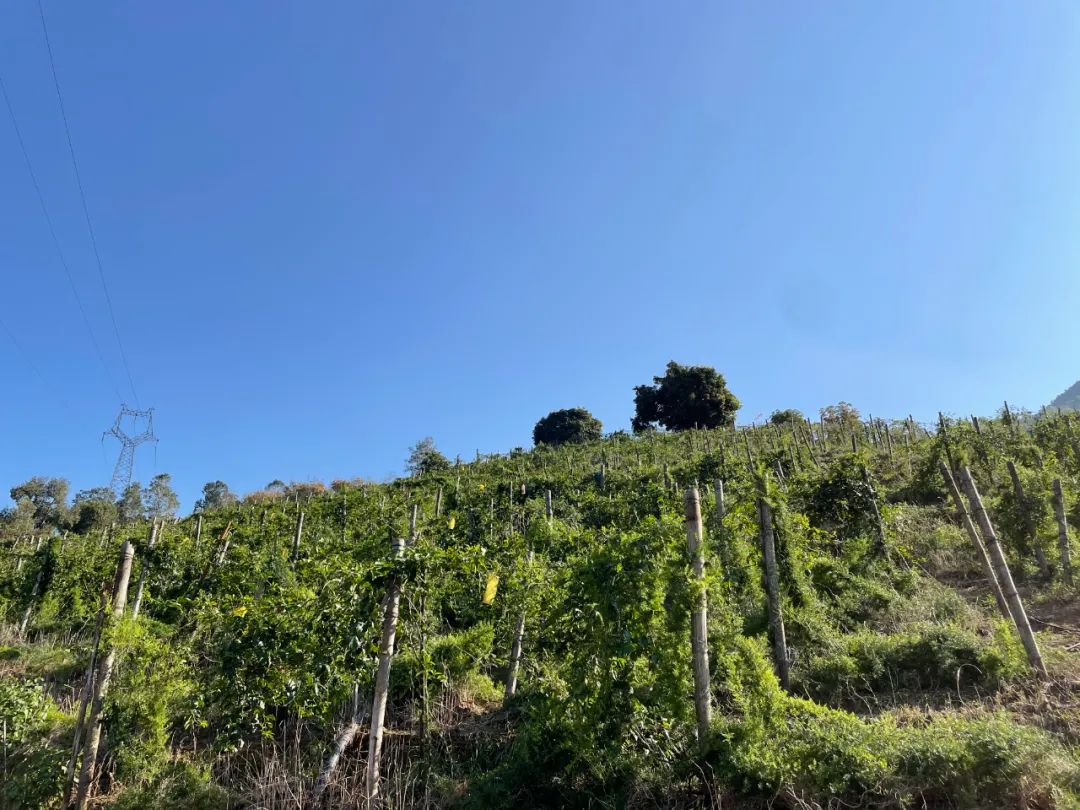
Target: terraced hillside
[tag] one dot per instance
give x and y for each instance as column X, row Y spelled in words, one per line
column 554, row 612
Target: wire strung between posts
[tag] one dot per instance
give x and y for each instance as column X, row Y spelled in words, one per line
column 85, row 207
column 55, row 239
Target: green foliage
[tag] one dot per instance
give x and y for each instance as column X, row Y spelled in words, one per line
column 241, row 646
column 685, row 397
column 130, row 507
column 568, row 426
column 47, row 496
column 216, row 495
column 178, row 786
column 425, row 458
column 788, row 416
column 33, row 768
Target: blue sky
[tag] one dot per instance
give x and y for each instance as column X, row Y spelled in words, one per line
column 332, row 228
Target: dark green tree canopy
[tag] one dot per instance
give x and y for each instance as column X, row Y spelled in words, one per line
column 685, row 397
column 787, row 416
column 424, row 457
column 216, row 495
column 93, row 510
column 131, row 504
column 570, row 425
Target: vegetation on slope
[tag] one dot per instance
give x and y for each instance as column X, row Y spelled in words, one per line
column 252, row 650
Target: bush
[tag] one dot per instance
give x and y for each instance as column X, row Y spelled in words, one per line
column 568, row 426
column 772, row 744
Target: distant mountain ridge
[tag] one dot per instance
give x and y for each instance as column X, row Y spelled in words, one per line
column 1069, row 398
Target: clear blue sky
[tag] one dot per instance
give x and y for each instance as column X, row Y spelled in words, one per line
column 332, row 228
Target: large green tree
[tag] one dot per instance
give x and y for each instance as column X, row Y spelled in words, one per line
column 130, row 505
column 93, row 510
column 424, row 457
column 685, row 397
column 216, row 495
column 568, row 426
column 161, row 500
column 48, row 496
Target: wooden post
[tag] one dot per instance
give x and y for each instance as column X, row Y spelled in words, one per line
column 24, row 622
column 1063, row 533
column 84, row 700
column 945, row 440
column 101, row 684
column 382, row 676
column 879, row 524
column 342, row 741
column 298, row 535
column 997, row 556
column 515, row 648
column 1029, row 525
column 772, row 590
column 198, row 529
column 699, row 638
column 137, row 604
column 973, row 535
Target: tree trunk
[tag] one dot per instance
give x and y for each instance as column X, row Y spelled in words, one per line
column 101, row 684
column 1063, row 533
column 1029, row 525
column 699, row 638
column 997, row 556
column 973, row 535
column 382, row 677
column 772, row 590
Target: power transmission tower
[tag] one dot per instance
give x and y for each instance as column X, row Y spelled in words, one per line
column 121, row 476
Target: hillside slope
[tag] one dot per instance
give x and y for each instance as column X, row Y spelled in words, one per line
column 255, row 654
column 1068, row 399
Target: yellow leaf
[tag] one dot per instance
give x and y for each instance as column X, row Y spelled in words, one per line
column 481, row 487
column 240, row 611
column 452, row 522
column 492, row 587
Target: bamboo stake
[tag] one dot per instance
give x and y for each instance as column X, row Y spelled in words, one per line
column 1029, row 524
column 1063, row 533
column 382, row 677
column 101, row 684
column 1016, row 606
column 515, row 648
column 699, row 639
column 879, row 524
column 137, row 604
column 298, row 535
column 84, row 700
column 973, row 535
column 772, row 590
column 342, row 741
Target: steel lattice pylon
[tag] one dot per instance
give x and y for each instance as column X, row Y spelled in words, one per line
column 121, row 476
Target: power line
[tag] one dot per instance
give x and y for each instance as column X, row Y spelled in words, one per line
column 33, row 366
column 85, row 207
column 55, row 240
